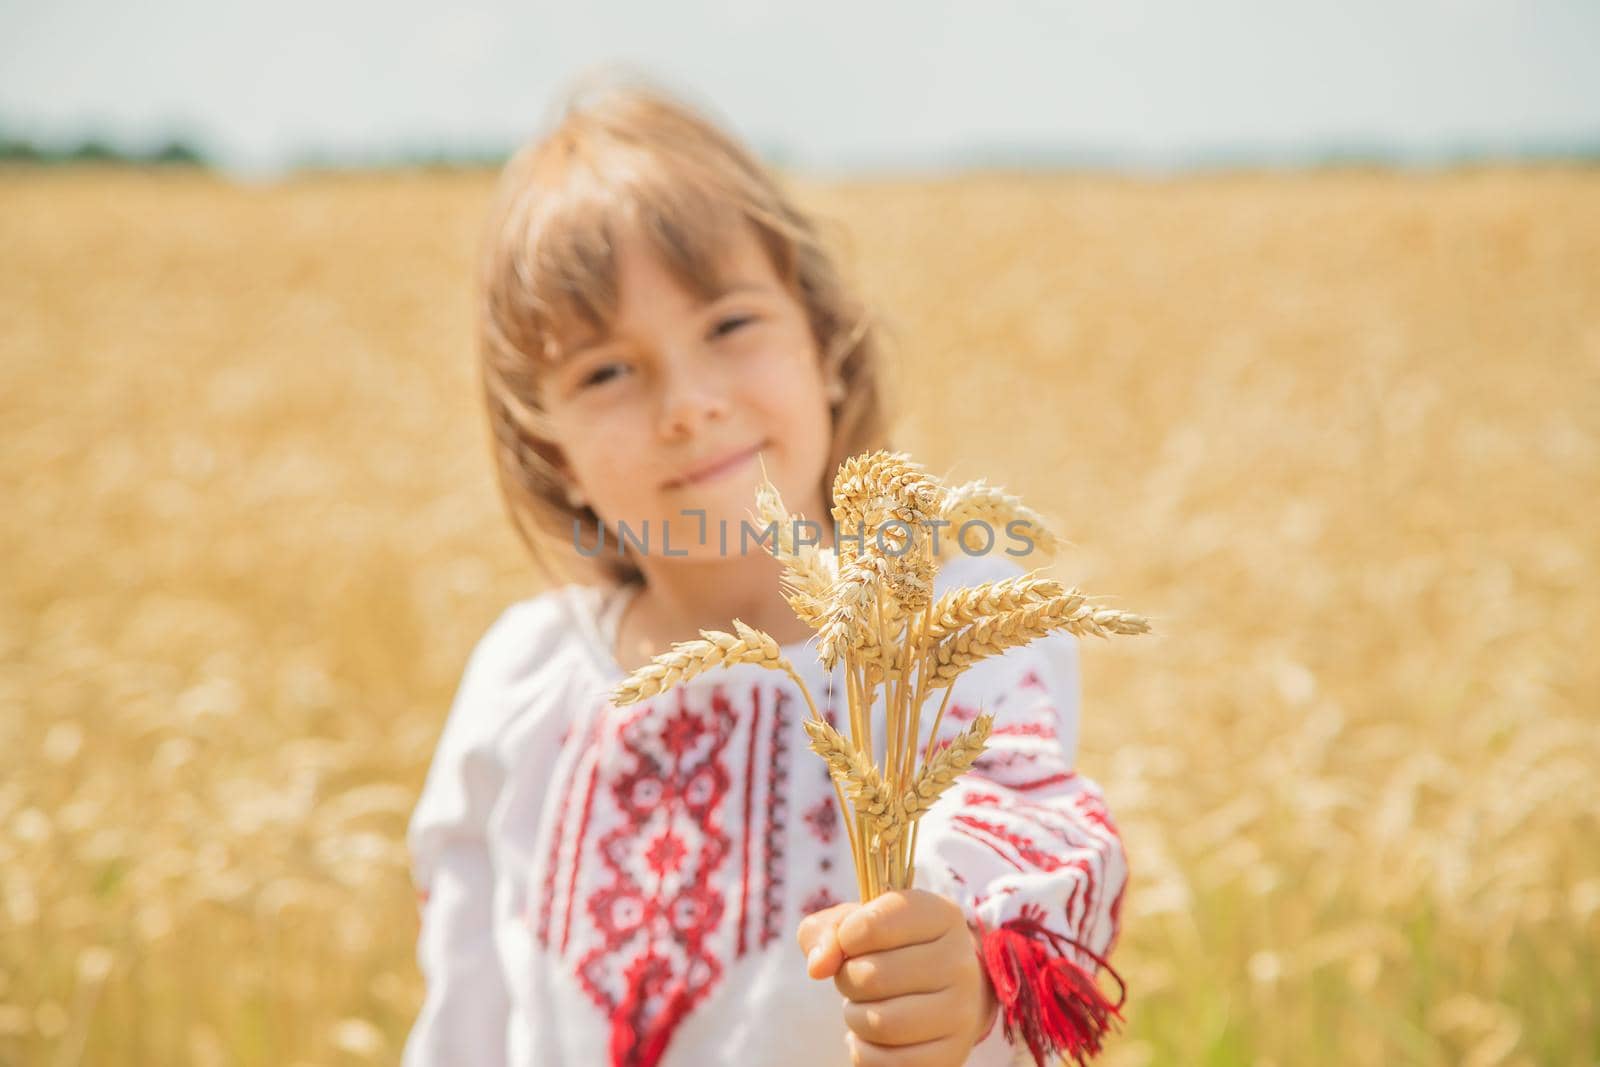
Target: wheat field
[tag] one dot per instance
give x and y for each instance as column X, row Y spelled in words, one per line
column 1337, row 433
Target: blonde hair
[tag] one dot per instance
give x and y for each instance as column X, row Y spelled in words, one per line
column 639, row 157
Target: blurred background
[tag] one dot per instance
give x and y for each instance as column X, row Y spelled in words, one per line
column 1290, row 314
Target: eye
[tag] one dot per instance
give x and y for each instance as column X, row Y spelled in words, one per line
column 730, row 324
column 601, row 374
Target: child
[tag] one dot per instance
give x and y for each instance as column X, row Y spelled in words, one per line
column 627, row 885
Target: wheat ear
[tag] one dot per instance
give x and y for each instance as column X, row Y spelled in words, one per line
column 882, row 503
column 808, row 572
column 947, row 765
column 870, row 491
column 888, row 483
column 856, row 777
column 963, row 607
column 995, row 634
column 686, row 659
column 980, row 501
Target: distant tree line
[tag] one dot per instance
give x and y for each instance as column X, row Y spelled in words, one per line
column 92, row 150
column 980, row 157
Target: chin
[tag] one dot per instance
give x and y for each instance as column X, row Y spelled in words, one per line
column 686, row 530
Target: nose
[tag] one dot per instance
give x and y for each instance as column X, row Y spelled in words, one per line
column 693, row 397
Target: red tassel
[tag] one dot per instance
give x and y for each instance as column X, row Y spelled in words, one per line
column 1049, row 1003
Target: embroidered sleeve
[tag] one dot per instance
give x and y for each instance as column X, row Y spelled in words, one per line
column 464, row 1014
column 1028, row 848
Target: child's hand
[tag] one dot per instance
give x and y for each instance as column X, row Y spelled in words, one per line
column 916, row 993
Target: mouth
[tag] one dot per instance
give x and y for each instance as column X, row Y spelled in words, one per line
column 715, row 469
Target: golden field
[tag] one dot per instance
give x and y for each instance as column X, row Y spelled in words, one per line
column 1337, row 433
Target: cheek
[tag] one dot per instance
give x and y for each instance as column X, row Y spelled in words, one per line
column 607, row 461
column 787, row 391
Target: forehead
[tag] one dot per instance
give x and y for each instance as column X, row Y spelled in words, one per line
column 656, row 278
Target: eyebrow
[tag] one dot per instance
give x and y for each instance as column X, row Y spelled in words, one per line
column 567, row 355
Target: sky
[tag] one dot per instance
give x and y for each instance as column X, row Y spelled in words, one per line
column 823, row 85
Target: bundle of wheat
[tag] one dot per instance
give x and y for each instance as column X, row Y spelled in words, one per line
column 871, row 601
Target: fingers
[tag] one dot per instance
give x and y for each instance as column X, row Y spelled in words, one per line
column 938, row 1053
column 819, row 939
column 896, row 919
column 907, row 1020
column 924, row 968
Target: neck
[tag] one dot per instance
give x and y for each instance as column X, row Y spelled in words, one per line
column 690, row 596
column 681, row 597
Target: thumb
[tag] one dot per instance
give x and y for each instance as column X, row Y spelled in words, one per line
column 819, row 939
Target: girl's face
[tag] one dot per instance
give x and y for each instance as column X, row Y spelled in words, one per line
column 668, row 412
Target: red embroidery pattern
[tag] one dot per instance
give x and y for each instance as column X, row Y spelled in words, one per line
column 777, row 809
column 1083, row 852
column 957, row 712
column 580, row 838
column 1006, row 762
column 660, row 906
column 560, row 836
column 547, row 899
column 1020, row 755
column 749, row 817
column 823, row 819
column 822, row 898
column 541, row 925
column 658, row 925
column 1044, row 730
column 1116, row 912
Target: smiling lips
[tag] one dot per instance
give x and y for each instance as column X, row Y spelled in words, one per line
column 716, row 468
